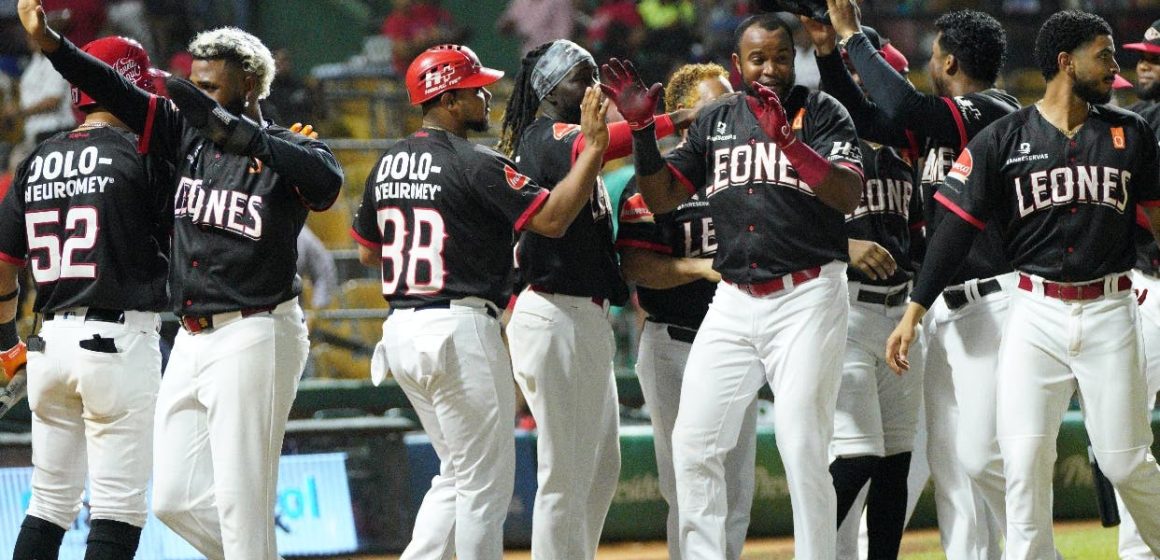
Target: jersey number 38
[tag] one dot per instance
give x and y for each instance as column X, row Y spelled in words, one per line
column 425, row 253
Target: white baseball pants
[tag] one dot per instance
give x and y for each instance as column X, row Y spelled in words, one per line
column 92, row 414
column 964, row 458
column 1051, row 349
column 797, row 336
column 1131, row 546
column 660, row 366
column 221, row 416
column 877, row 412
column 455, row 370
column 561, row 349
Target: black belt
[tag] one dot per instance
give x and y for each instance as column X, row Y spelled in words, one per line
column 95, row 314
column 491, row 311
column 957, row 297
column 676, row 330
column 879, row 298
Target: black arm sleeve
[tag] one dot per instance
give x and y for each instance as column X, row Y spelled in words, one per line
column 108, row 88
column 311, row 167
column 871, row 122
column 927, row 115
column 944, row 257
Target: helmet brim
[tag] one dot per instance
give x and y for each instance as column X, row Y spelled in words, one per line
column 1147, row 48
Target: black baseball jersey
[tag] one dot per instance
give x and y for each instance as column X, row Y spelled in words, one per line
column 768, row 222
column 441, row 211
column 687, row 231
column 87, row 212
column 1147, row 251
column 583, row 262
column 1066, row 207
column 236, row 218
column 972, row 113
column 890, row 213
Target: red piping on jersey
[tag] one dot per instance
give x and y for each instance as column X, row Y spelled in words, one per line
column 1149, row 203
column 646, row 245
column 364, row 241
column 855, row 168
column 12, row 260
column 913, row 140
column 684, row 180
column 958, row 122
column 1142, row 219
column 959, row 211
column 147, row 134
column 531, row 210
column 917, row 225
column 620, row 138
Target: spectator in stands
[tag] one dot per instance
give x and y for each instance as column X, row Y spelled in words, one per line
column 536, row 22
column 291, row 99
column 415, row 25
column 669, row 36
column 45, row 100
column 316, row 263
column 615, row 29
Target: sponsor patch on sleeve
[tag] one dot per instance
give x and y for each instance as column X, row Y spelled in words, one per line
column 961, row 169
column 560, row 130
column 635, row 211
column 1118, row 141
column 515, row 179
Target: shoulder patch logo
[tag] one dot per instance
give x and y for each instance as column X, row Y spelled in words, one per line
column 635, row 211
column 962, row 166
column 515, row 179
column 1118, row 140
column 560, row 130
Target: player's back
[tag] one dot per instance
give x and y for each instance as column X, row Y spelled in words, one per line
column 91, row 214
column 443, row 234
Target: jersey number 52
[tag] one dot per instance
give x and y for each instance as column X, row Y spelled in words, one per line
column 53, row 260
column 427, row 234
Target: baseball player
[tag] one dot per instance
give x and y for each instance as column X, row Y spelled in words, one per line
column 962, row 330
column 560, row 338
column 877, row 413
column 670, row 259
column 87, row 213
column 438, row 216
column 779, row 316
column 244, row 189
column 1146, row 272
column 1063, row 179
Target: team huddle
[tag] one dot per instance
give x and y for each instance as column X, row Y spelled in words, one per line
column 923, row 280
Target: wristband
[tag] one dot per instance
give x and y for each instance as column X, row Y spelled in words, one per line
column 649, row 160
column 811, row 167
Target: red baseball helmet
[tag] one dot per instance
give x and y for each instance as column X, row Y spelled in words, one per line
column 126, row 56
column 444, row 68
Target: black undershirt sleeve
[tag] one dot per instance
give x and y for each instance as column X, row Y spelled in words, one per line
column 927, row 115
column 315, row 171
column 944, row 257
column 871, row 122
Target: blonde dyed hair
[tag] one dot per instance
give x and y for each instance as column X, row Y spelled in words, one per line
column 682, row 88
column 231, row 43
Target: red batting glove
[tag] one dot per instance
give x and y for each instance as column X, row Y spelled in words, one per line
column 771, row 115
column 621, row 83
column 14, row 359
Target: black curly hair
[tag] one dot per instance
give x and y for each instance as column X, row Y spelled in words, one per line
column 766, row 21
column 1064, row 32
column 523, row 104
column 977, row 40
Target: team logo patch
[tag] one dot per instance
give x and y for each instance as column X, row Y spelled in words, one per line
column 799, row 118
column 635, row 211
column 1118, row 141
column 962, row 166
column 560, row 130
column 515, row 179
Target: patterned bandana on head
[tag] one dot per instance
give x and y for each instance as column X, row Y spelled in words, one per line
column 559, row 59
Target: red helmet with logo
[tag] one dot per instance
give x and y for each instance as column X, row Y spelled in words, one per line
column 126, row 56
column 443, row 68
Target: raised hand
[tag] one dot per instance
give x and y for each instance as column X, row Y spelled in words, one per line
column 771, row 115
column 845, row 17
column 593, row 111
column 823, row 36
column 35, row 22
column 622, row 84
